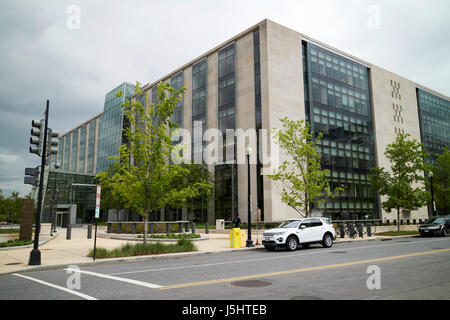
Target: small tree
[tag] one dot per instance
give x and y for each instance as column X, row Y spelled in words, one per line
column 145, row 174
column 441, row 182
column 303, row 180
column 403, row 184
column 198, row 178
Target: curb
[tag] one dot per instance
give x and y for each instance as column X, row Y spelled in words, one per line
column 30, row 245
column 171, row 256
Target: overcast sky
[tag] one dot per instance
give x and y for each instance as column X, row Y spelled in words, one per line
column 41, row 58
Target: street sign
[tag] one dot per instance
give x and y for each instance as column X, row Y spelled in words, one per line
column 97, row 202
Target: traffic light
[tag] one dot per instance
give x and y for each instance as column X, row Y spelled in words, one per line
column 31, row 176
column 52, row 142
column 37, row 135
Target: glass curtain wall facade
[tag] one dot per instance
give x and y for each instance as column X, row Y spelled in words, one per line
column 434, row 115
column 66, row 152
column 82, row 150
column 91, row 147
column 226, row 173
column 83, row 197
column 338, row 105
column 74, row 151
column 111, row 124
column 199, row 96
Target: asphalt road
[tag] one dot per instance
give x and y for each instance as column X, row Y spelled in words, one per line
column 413, row 268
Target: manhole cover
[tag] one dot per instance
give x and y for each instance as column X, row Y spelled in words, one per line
column 306, row 298
column 338, row 252
column 12, row 263
column 251, row 283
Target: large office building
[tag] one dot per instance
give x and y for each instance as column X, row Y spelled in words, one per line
column 262, row 75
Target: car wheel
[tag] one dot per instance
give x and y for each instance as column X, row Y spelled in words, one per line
column 269, row 248
column 305, row 245
column 327, row 241
column 292, row 243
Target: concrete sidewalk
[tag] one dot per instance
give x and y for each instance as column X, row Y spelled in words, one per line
column 60, row 252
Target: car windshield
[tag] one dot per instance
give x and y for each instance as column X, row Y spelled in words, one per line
column 435, row 220
column 290, row 224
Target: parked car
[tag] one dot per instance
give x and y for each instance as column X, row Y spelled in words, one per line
column 435, row 225
column 294, row 232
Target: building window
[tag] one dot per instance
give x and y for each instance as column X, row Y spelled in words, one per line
column 199, row 102
column 177, row 83
column 339, row 107
column 434, row 115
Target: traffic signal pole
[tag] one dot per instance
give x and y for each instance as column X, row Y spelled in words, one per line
column 35, row 255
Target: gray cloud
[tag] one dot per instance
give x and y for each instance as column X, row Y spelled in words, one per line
column 40, row 58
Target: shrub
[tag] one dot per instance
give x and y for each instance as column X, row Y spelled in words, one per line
column 140, row 249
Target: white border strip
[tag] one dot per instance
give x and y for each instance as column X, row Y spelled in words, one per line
column 79, row 294
column 274, row 258
column 101, row 275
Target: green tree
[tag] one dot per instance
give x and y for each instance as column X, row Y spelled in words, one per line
column 145, row 173
column 403, row 184
column 441, row 182
column 200, row 179
column 11, row 207
column 302, row 179
column 111, row 198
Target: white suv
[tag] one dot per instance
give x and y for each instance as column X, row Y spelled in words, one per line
column 294, row 232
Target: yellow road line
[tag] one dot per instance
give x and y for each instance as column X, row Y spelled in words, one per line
column 280, row 273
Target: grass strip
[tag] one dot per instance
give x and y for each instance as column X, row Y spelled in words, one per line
column 140, row 249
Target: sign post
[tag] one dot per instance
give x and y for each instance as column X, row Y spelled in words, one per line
column 97, row 215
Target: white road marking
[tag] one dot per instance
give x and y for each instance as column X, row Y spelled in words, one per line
column 79, row 294
column 101, row 275
column 269, row 258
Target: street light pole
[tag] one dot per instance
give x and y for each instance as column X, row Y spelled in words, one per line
column 433, row 204
column 249, row 224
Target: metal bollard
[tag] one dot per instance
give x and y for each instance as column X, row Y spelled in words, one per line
column 369, row 229
column 395, row 222
column 207, row 228
column 414, row 221
column 151, row 231
column 360, row 230
column 133, row 228
column 186, row 227
column 180, row 227
column 193, row 227
column 388, row 222
column 407, row 222
column 119, row 228
column 352, row 232
column 89, row 231
column 69, row 232
column 341, row 231
column 109, row 228
column 401, row 222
